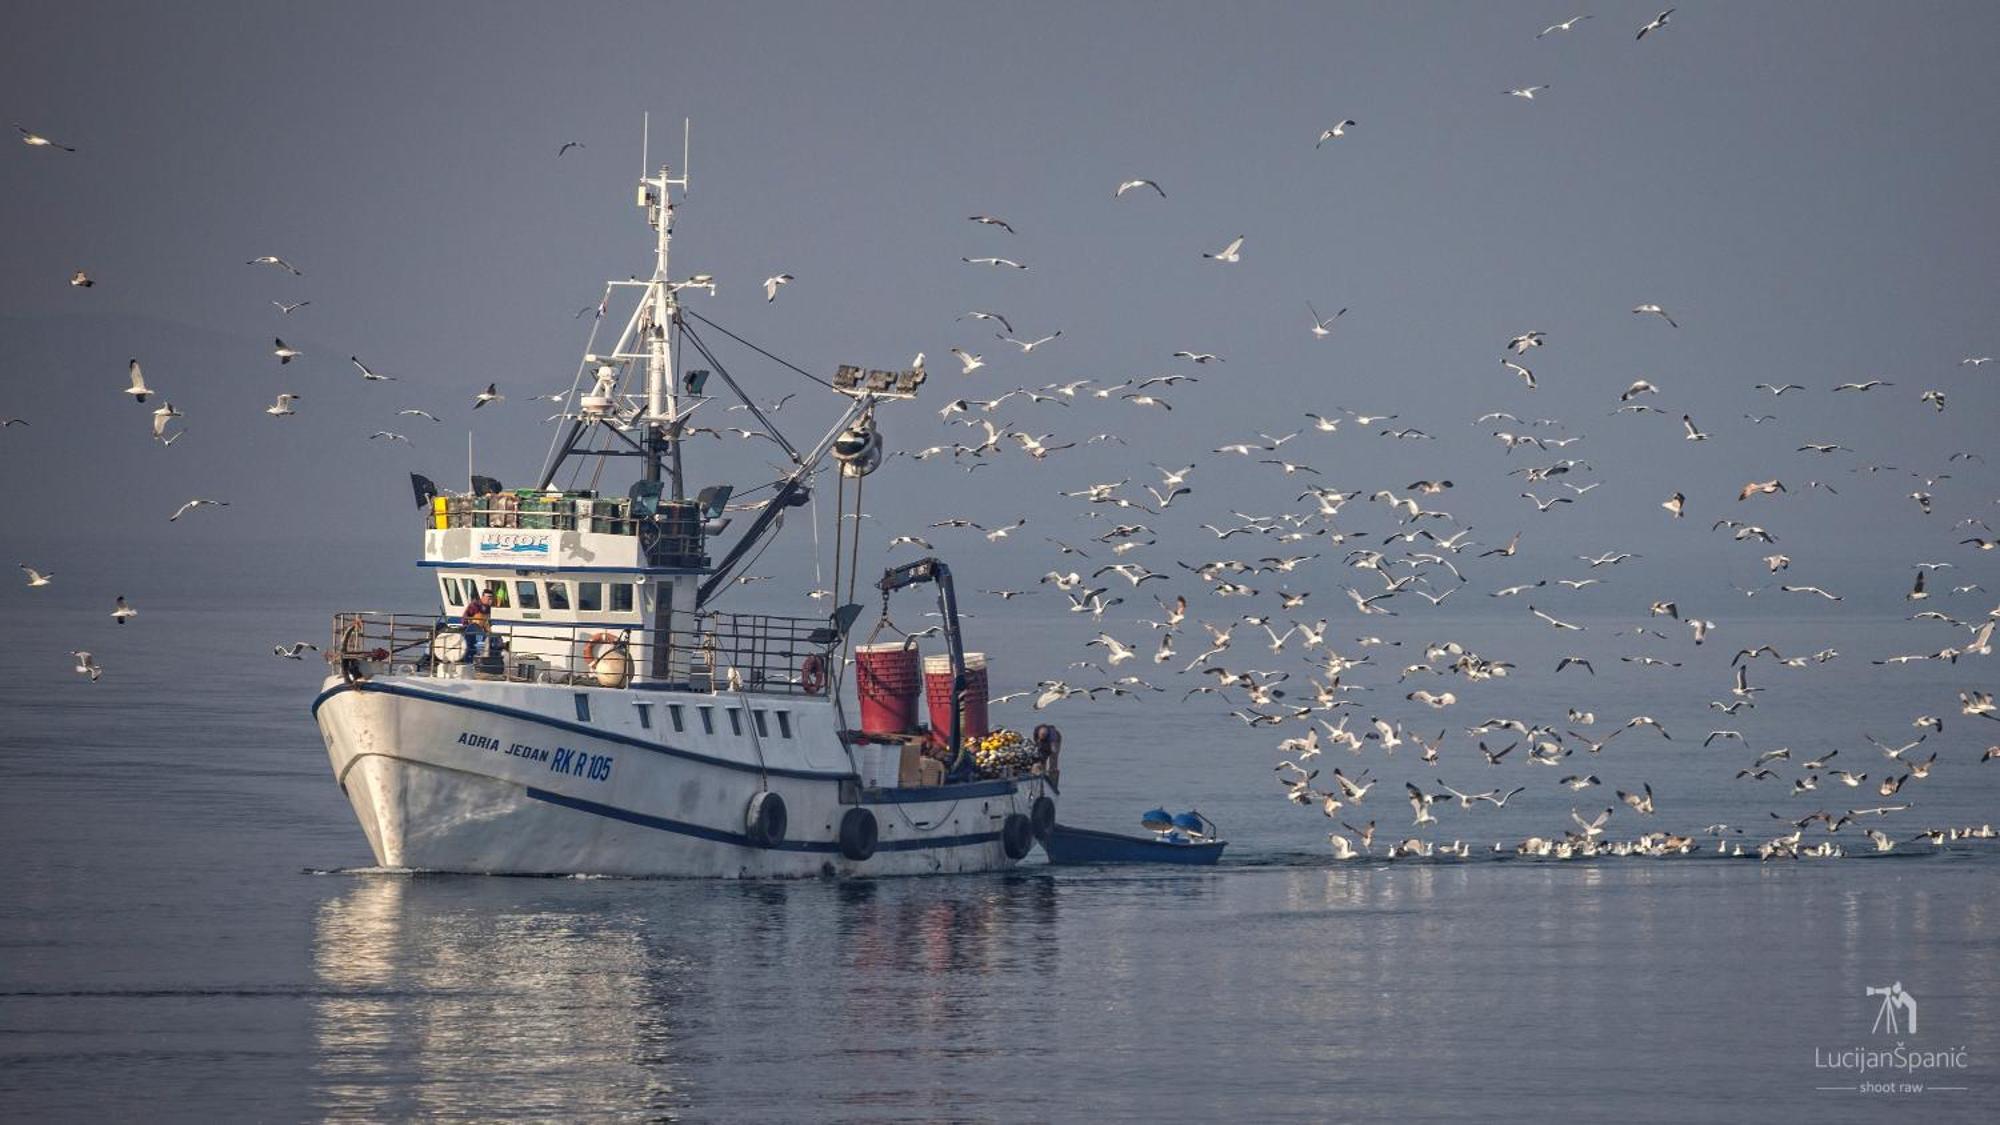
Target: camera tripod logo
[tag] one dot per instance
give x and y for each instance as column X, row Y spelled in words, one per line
column 1898, row 1014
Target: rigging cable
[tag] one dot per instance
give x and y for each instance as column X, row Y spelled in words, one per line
column 758, row 350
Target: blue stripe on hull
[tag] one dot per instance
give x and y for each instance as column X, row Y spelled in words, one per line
column 718, row 835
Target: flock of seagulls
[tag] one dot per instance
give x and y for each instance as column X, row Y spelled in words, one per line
column 1324, row 673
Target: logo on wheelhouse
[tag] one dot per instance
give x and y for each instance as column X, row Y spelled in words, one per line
column 510, row 545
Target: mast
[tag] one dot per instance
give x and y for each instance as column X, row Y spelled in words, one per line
column 658, row 318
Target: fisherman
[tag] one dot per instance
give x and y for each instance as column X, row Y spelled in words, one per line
column 477, row 619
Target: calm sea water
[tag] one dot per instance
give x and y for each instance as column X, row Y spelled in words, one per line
column 184, row 932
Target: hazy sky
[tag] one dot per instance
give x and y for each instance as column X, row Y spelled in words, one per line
column 1807, row 188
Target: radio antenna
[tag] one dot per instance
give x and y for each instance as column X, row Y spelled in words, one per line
column 645, row 142
column 687, row 132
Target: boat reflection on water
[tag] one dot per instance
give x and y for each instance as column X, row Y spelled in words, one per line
column 440, row 1001
column 457, row 997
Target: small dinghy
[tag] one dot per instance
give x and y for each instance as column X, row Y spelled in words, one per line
column 1188, row 838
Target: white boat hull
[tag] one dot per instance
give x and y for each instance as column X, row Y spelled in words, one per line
column 503, row 778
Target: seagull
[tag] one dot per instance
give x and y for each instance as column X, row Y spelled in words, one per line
column 191, row 505
column 162, row 417
column 1869, row 385
column 390, row 435
column 81, row 280
column 1009, row 262
column 1526, row 375
column 274, row 260
column 295, row 652
column 36, row 140
column 976, row 314
column 1639, row 803
column 1779, row 388
column 368, row 374
column 490, row 394
column 1657, row 22
column 1129, row 185
column 1656, row 311
column 87, row 666
column 1693, row 432
column 413, row 412
column 970, row 361
column 285, row 352
column 1638, row 387
column 1027, row 346
column 1338, row 129
column 1760, row 487
column 990, row 221
column 1563, row 26
column 138, row 390
column 567, row 145
column 283, row 406
column 1559, row 625
column 123, row 611
column 1319, row 328
column 1527, row 92
column 1975, row 360
column 773, row 284
column 1229, row 253
column 36, row 577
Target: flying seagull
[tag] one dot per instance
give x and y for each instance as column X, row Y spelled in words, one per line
column 138, row 390
column 274, row 260
column 1656, row 311
column 1229, row 253
column 1334, row 131
column 36, row 140
column 567, row 145
column 289, row 309
column 81, row 280
column 191, row 505
column 283, row 407
column 772, row 285
column 1320, row 329
column 1565, row 25
column 296, row 652
column 122, row 611
column 1658, row 22
column 490, row 394
column 990, row 221
column 36, row 577
column 994, row 262
column 368, row 373
column 87, row 666
column 1128, row 185
column 1527, row 92
column 285, row 352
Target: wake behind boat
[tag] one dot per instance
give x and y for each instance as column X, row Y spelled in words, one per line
column 580, row 704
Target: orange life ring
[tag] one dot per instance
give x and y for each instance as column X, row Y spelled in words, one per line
column 590, row 650
column 812, row 674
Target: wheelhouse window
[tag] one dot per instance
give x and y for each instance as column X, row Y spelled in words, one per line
column 784, row 724
column 589, row 596
column 499, row 592
column 677, row 716
column 559, row 596
column 621, row 597
column 736, row 721
column 645, row 715
column 757, row 717
column 707, row 719
column 452, row 595
column 530, row 594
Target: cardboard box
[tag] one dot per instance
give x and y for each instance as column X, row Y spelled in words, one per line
column 909, row 769
column 930, row 771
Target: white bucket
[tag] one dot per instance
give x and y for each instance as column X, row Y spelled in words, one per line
column 878, row 765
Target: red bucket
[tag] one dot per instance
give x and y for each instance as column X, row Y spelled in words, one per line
column 887, row 679
column 937, row 692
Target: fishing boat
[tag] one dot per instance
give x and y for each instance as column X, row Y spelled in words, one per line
column 610, row 712
column 1189, row 839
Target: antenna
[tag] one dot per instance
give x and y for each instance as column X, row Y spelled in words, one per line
column 687, row 132
column 645, row 141
column 470, row 487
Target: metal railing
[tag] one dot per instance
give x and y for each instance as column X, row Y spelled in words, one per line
column 721, row 652
column 671, row 535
